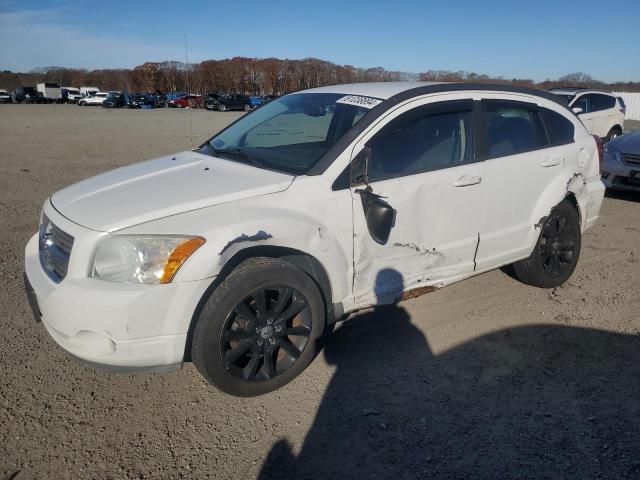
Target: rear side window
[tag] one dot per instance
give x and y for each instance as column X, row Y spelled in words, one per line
column 602, row 102
column 513, row 127
column 559, row 129
column 420, row 141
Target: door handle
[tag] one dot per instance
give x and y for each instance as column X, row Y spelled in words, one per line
column 466, row 180
column 551, row 162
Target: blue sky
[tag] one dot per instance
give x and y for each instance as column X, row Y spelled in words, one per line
column 525, row 39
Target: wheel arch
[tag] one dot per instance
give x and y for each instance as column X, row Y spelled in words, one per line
column 617, row 127
column 302, row 260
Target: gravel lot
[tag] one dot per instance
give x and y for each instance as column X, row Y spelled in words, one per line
column 488, row 378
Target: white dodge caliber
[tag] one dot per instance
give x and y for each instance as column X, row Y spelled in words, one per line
column 238, row 255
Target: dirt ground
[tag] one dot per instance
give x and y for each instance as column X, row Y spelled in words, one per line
column 487, row 378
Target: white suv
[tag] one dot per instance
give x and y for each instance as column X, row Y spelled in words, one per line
column 239, row 254
column 97, row 98
column 602, row 113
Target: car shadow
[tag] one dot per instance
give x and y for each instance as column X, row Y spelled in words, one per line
column 623, row 195
column 540, row 401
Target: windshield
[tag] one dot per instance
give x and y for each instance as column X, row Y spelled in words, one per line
column 290, row 133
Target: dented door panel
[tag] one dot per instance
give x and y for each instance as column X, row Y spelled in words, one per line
column 434, row 238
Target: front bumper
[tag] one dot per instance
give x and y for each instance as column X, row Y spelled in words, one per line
column 616, row 176
column 119, row 326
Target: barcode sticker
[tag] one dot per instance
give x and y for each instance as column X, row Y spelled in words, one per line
column 359, row 101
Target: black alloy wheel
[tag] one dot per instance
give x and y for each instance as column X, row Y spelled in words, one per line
column 266, row 333
column 259, row 328
column 557, row 246
column 557, row 250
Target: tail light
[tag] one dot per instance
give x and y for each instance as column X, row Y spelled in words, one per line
column 599, row 148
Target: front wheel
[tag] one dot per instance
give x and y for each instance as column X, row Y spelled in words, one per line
column 613, row 133
column 556, row 253
column 259, row 329
column 222, row 107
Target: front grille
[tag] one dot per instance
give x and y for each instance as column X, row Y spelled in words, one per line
column 631, row 159
column 55, row 250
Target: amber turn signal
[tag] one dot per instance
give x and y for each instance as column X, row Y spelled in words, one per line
column 178, row 256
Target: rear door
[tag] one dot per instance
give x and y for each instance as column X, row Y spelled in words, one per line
column 604, row 113
column 520, row 164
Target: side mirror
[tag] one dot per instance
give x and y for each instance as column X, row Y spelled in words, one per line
column 577, row 110
column 380, row 217
column 360, row 168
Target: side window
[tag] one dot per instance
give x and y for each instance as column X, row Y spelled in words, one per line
column 559, row 128
column 583, row 102
column 512, row 128
column 421, row 140
column 602, row 102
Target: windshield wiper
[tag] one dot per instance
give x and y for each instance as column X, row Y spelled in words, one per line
column 237, row 154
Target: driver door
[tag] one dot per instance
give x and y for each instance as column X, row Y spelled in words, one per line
column 416, row 181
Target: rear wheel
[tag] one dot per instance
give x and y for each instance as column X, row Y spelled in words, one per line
column 259, row 329
column 556, row 254
column 247, row 107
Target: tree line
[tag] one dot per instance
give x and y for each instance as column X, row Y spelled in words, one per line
column 264, row 76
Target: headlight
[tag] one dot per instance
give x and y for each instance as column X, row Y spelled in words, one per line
column 142, row 259
column 613, row 152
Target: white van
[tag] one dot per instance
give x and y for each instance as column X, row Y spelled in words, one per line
column 88, row 91
column 71, row 94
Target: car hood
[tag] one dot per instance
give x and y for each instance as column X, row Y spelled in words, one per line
column 162, row 187
column 628, row 143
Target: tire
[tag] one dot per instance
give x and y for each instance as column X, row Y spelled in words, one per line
column 557, row 250
column 247, row 107
column 613, row 133
column 222, row 107
column 259, row 350
column 82, row 104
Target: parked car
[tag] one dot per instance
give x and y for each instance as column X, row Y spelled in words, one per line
column 95, row 99
column 187, row 100
column 173, row 95
column 142, row 100
column 602, row 113
column 233, row 101
column 5, row 97
column 621, row 165
column 70, row 94
column 240, row 254
column 210, row 101
column 116, row 100
column 255, row 100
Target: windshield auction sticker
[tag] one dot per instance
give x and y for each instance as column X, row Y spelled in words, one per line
column 359, row 101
